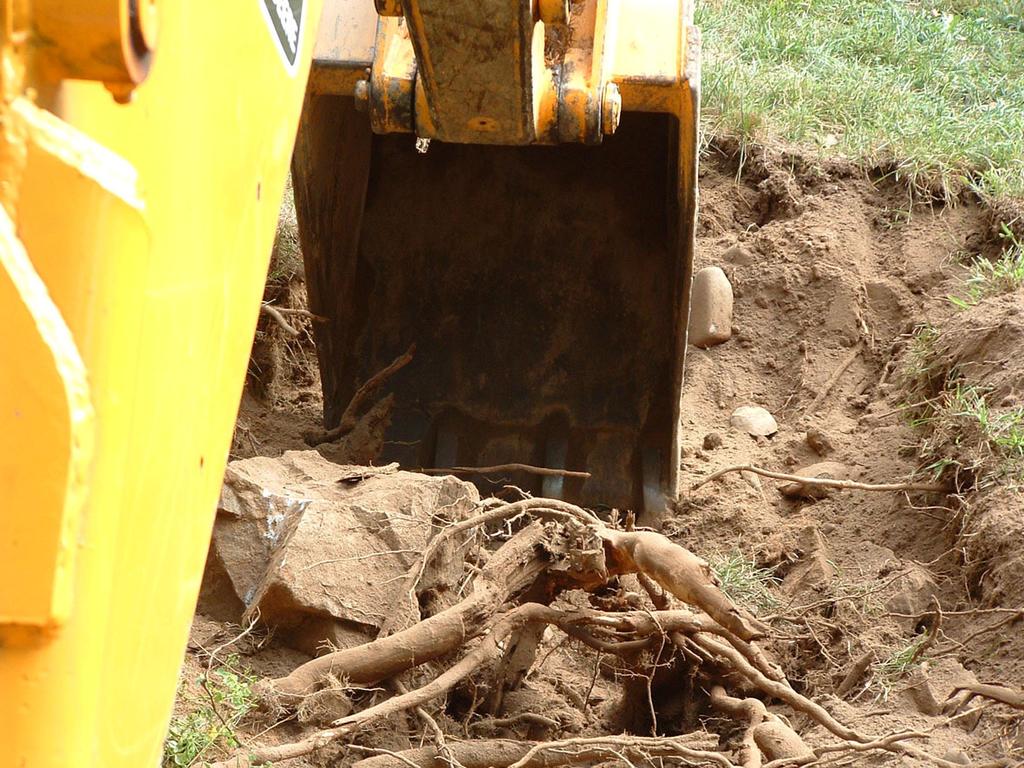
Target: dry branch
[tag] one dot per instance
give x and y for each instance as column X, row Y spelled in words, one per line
column 824, row 481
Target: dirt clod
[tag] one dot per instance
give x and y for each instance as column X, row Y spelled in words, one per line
column 712, row 440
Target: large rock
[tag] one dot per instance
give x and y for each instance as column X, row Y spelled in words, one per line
column 319, row 549
column 710, row 308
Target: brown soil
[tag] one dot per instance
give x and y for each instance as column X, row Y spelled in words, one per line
column 821, row 259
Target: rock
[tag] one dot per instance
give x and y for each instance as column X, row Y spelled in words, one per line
column 955, row 756
column 915, row 591
column 928, row 687
column 739, row 255
column 319, row 549
column 754, row 420
column 825, row 469
column 818, row 441
column 712, row 440
column 814, row 571
column 710, row 308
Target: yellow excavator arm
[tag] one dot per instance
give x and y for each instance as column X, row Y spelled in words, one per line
column 145, row 150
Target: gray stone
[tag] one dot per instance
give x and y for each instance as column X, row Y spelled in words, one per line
column 710, row 308
column 754, row 420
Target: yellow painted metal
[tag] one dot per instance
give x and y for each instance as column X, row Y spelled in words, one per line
column 133, row 251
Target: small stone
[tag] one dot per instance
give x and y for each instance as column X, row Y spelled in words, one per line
column 754, row 420
column 825, row 469
column 710, row 308
column 739, row 255
column 712, row 440
column 818, row 441
column 954, row 756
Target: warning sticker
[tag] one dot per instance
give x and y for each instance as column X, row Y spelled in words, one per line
column 286, row 19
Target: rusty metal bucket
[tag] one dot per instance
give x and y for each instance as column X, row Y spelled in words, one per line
column 545, row 289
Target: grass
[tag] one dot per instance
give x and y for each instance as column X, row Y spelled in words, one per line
column 213, row 721
column 968, row 434
column 895, row 667
column 931, row 88
column 745, row 583
column 993, row 277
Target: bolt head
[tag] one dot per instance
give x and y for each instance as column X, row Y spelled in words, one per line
column 362, row 95
column 611, row 109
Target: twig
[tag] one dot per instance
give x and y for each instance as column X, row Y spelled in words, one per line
column 833, row 379
column 275, row 313
column 514, row 467
column 825, row 481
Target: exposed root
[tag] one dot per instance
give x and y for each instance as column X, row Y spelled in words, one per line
column 278, row 317
column 353, row 411
column 573, row 550
column 834, row 379
column 963, row 695
column 852, row 485
column 505, row 753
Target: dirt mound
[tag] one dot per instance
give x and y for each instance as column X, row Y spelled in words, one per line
column 984, row 345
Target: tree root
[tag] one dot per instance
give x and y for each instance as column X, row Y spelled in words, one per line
column 825, row 481
column 350, row 417
column 573, row 550
column 505, row 753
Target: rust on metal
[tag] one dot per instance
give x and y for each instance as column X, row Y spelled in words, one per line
column 547, row 291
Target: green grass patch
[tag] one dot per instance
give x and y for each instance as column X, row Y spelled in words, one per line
column 933, row 88
column 214, row 717
column 745, row 583
column 968, row 434
column 993, row 277
column 895, row 667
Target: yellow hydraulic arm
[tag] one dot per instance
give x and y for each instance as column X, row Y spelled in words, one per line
column 143, row 154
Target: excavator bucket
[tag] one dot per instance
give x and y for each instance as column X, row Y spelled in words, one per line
column 544, row 288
